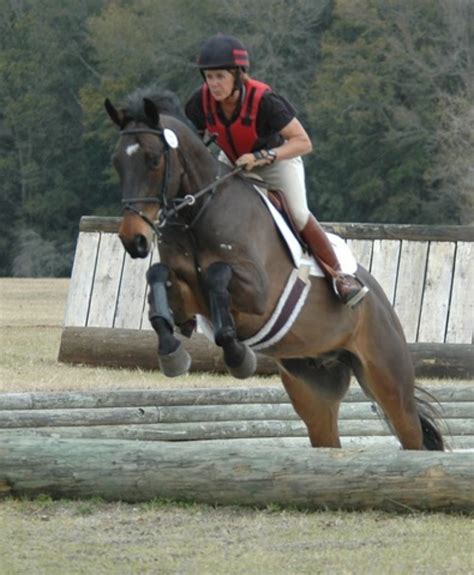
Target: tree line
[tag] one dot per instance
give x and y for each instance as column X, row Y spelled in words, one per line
column 384, row 88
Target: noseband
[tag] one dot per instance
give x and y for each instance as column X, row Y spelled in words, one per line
column 169, row 207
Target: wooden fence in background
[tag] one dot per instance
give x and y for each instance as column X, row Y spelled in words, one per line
column 426, row 272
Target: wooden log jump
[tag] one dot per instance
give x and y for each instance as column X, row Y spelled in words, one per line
column 227, row 446
column 312, row 479
column 425, row 271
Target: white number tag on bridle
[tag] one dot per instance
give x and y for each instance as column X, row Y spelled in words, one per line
column 170, row 138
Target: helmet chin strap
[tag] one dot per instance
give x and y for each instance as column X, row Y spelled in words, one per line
column 238, row 86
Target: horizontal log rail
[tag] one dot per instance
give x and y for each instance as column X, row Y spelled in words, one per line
column 369, row 231
column 196, row 396
column 137, row 348
column 241, row 435
column 136, row 471
column 197, row 420
column 197, row 431
column 143, row 415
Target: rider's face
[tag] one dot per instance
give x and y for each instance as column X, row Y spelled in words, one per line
column 220, row 82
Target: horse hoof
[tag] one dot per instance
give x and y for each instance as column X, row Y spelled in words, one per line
column 247, row 367
column 175, row 363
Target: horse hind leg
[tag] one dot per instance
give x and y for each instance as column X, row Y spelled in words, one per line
column 239, row 359
column 316, row 388
column 391, row 384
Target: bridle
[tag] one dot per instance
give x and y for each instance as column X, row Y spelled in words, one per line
column 162, row 199
column 169, row 206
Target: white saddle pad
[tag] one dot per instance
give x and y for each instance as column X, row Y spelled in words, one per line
column 344, row 255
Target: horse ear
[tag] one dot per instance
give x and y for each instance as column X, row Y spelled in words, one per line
column 117, row 116
column 151, row 113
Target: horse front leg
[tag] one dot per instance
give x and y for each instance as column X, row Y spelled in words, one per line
column 174, row 360
column 239, row 359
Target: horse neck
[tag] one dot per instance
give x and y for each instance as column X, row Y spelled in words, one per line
column 198, row 166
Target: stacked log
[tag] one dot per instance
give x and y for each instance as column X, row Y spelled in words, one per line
column 205, row 414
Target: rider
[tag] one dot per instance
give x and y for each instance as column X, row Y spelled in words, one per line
column 258, row 130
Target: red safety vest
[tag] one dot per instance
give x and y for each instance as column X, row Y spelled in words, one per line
column 240, row 136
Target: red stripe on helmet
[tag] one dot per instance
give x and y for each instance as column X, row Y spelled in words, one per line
column 241, row 57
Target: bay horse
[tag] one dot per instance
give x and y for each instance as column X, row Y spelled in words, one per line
column 222, row 258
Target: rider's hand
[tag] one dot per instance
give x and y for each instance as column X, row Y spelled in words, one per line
column 255, row 160
column 247, row 161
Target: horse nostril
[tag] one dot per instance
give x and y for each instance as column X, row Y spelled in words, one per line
column 141, row 246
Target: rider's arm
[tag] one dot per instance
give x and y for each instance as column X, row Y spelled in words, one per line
column 297, row 141
column 277, row 123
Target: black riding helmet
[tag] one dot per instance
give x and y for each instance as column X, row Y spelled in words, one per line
column 223, row 52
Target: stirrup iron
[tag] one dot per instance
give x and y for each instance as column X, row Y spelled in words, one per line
column 357, row 297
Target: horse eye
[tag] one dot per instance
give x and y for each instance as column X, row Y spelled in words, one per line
column 153, row 161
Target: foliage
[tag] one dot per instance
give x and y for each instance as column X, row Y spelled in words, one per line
column 38, row 258
column 384, row 87
column 387, row 103
column 44, row 170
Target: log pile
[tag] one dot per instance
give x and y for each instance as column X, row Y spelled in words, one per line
column 233, row 445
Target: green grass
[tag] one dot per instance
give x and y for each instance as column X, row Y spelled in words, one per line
column 58, row 537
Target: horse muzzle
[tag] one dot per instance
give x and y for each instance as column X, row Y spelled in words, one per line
column 136, row 236
column 138, row 247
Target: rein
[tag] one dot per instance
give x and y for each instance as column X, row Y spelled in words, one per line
column 166, row 212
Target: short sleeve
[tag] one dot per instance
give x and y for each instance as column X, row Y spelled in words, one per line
column 274, row 114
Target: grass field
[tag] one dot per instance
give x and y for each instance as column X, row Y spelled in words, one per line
column 94, row 537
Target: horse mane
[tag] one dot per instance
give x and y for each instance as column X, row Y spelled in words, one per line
column 166, row 101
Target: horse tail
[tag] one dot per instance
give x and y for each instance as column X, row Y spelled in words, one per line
column 428, row 407
column 429, row 412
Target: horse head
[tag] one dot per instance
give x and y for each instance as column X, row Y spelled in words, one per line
column 145, row 159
